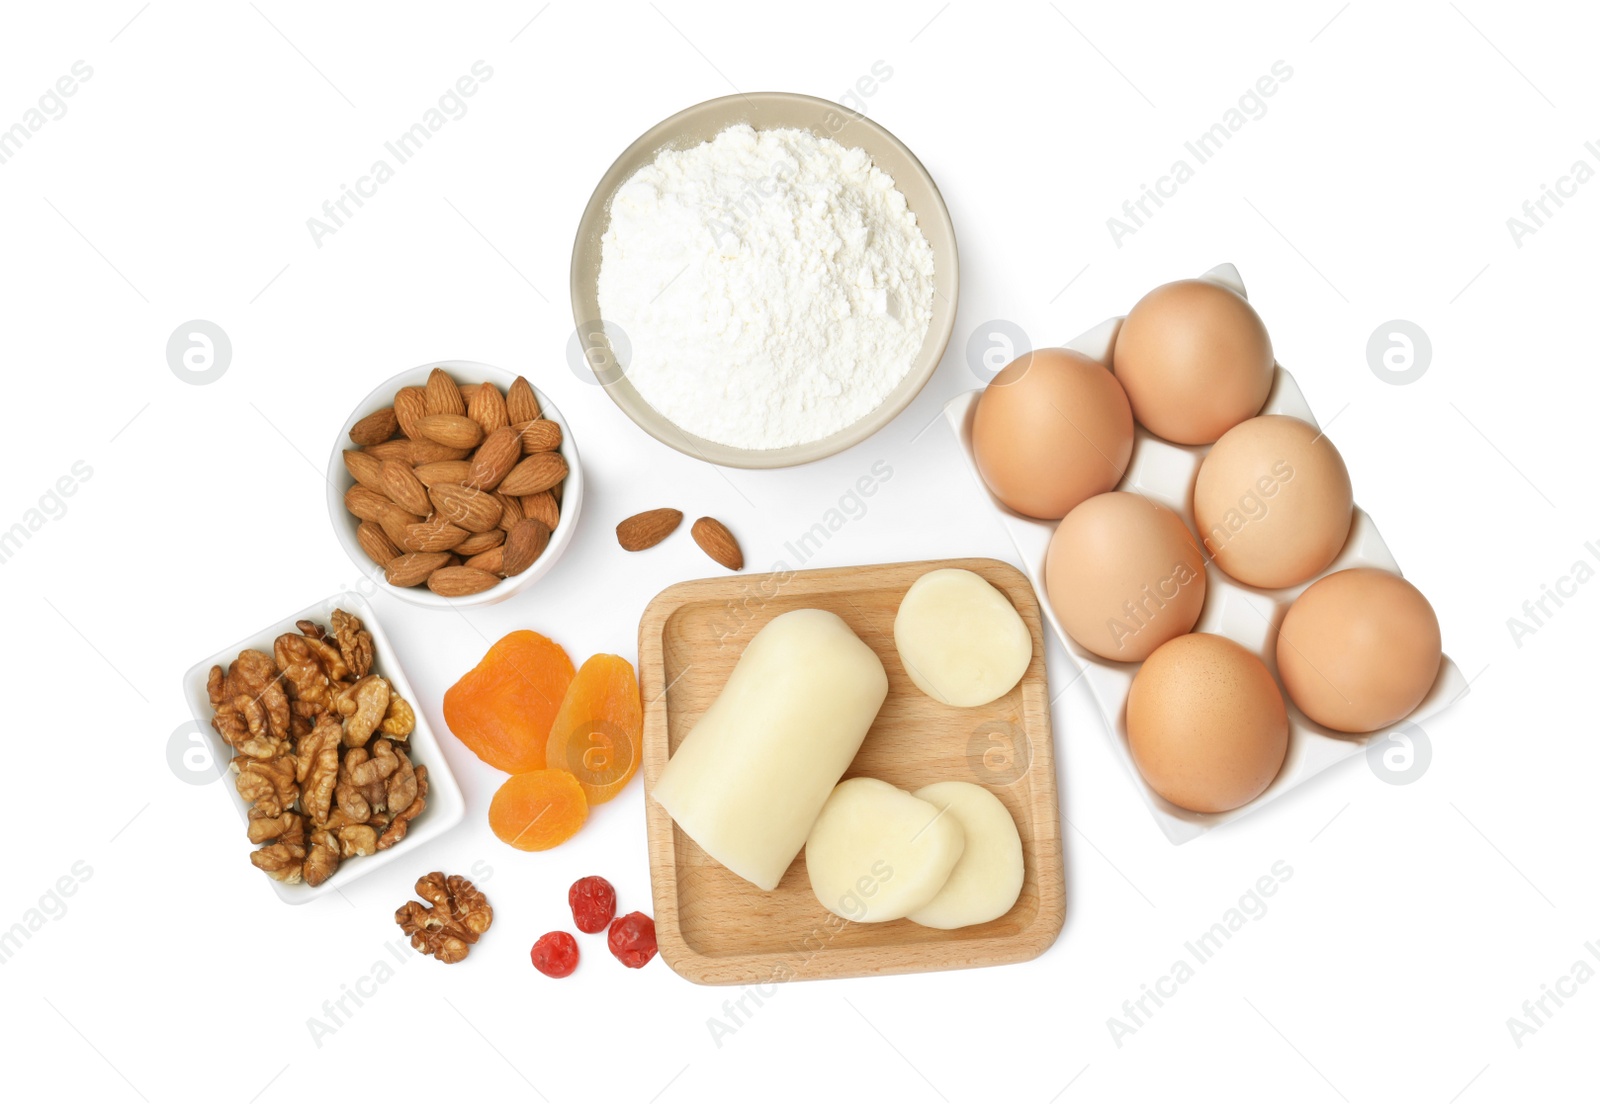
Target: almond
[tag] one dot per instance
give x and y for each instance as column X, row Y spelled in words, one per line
column 525, row 542
column 543, row 507
column 521, row 404
column 442, row 397
column 480, row 542
column 511, row 510
column 423, row 451
column 489, row 561
column 376, row 544
column 377, row 427
column 455, row 431
column 442, row 472
column 467, row 508
column 364, row 503
column 494, row 459
column 541, row 435
column 397, row 522
column 718, row 543
column 394, row 449
column 410, row 570
column 404, row 488
column 487, row 408
column 364, row 468
column 535, row 473
column 460, row 580
column 410, row 404
column 433, row 535
column 641, row 531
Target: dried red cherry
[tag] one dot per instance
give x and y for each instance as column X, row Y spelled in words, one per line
column 632, row 939
column 594, row 903
column 556, row 954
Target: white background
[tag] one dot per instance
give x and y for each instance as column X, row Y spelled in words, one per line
column 1377, row 186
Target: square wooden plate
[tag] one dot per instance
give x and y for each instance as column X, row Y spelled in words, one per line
column 713, row 927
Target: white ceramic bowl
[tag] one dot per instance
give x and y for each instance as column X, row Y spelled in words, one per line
column 766, row 111
column 339, row 482
column 445, row 806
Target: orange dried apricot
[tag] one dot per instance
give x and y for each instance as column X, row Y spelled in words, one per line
column 503, row 708
column 596, row 735
column 538, row 810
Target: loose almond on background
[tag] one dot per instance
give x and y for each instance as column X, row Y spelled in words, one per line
column 646, row 529
column 718, row 543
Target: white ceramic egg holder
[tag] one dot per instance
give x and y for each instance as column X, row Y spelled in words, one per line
column 1165, row 472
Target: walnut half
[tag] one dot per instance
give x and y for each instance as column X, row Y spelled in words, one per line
column 458, row 916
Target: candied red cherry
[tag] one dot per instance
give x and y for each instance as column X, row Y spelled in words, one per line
column 632, row 939
column 556, row 954
column 594, row 903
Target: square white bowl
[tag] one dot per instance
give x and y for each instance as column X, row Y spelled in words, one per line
column 445, row 807
column 1165, row 472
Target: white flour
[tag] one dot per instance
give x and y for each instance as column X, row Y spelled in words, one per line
column 773, row 286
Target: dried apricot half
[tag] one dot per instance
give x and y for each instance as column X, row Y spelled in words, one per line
column 538, row 810
column 503, row 708
column 597, row 733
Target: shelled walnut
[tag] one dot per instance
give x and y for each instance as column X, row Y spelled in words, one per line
column 457, row 915
column 321, row 750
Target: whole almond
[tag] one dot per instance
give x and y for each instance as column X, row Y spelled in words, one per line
column 394, row 449
column 543, row 507
column 535, row 473
column 442, row 472
column 480, row 542
column 487, row 408
column 641, row 531
column 376, row 544
column 442, row 397
column 490, row 561
column 541, row 435
column 411, row 569
column 404, row 488
column 377, row 427
column 494, row 459
column 511, row 510
column 410, row 404
column 433, row 535
column 424, row 451
column 467, row 508
column 521, row 404
column 718, row 543
column 364, row 468
column 397, row 522
column 455, row 431
column 460, row 580
column 525, row 542
column 364, row 503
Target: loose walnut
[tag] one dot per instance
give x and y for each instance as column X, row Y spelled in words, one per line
column 318, row 772
column 355, row 643
column 458, row 916
column 364, row 705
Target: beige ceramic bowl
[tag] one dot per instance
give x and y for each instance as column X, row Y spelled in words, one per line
column 764, row 111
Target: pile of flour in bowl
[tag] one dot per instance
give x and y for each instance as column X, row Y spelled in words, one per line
column 773, row 286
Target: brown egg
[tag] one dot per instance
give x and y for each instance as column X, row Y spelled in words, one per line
column 1359, row 650
column 1206, row 723
column 1124, row 575
column 1195, row 360
column 1272, row 502
column 1052, row 429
